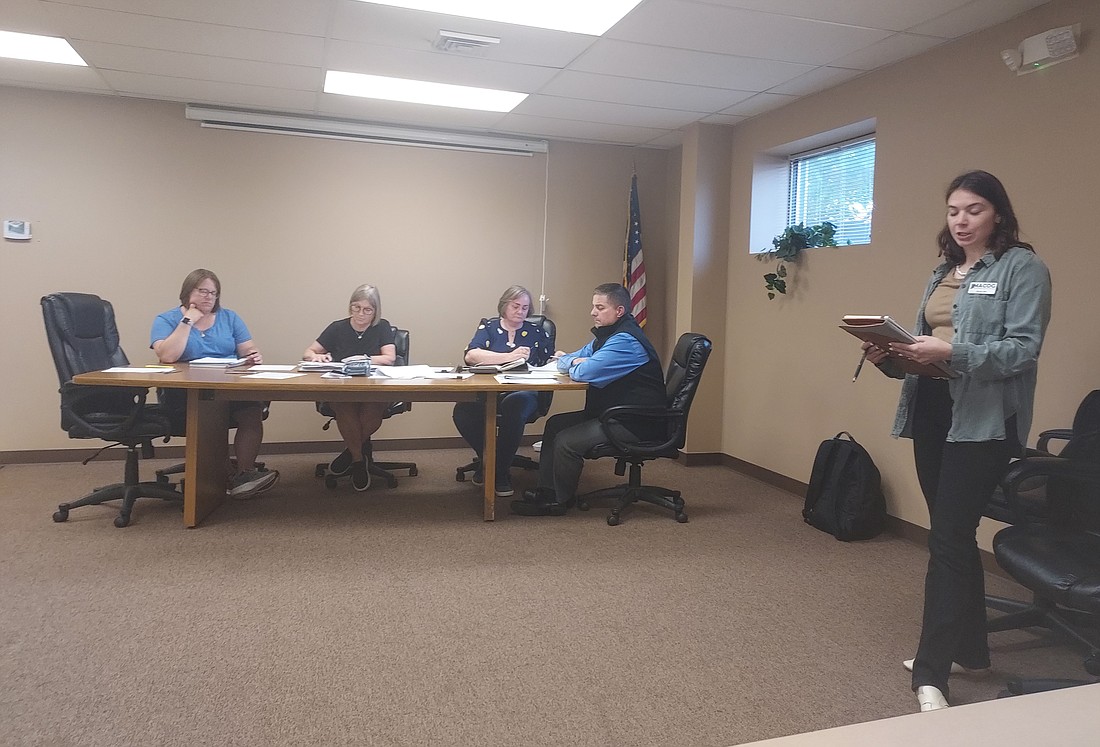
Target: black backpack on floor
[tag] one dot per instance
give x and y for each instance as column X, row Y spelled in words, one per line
column 845, row 494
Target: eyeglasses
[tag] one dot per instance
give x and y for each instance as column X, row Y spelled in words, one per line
column 357, row 309
column 206, row 293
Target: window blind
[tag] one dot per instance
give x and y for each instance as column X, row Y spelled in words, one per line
column 835, row 184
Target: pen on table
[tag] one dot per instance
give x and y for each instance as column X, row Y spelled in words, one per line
column 859, row 366
column 156, row 365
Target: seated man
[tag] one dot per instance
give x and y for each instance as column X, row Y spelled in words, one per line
column 621, row 367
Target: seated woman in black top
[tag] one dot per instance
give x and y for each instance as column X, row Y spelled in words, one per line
column 364, row 333
column 502, row 339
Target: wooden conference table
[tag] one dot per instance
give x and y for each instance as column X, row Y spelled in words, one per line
column 210, row 390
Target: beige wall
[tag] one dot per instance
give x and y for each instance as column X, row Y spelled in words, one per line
column 788, row 369
column 126, row 197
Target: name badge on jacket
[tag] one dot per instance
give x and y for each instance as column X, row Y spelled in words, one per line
column 982, row 289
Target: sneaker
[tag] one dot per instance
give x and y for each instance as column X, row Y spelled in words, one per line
column 537, row 446
column 341, row 464
column 478, row 478
column 251, row 482
column 930, row 698
column 504, row 488
column 360, row 475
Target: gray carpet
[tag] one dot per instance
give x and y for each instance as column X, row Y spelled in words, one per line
column 398, row 617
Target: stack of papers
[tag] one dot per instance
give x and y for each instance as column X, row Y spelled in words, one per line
column 320, row 366
column 215, row 362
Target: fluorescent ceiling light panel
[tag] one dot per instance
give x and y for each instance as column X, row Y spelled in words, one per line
column 421, row 92
column 592, row 17
column 38, row 48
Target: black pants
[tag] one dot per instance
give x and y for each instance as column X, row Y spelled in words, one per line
column 957, row 479
column 566, row 439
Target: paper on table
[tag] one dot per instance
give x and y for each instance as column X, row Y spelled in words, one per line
column 522, row 379
column 405, row 372
column 130, row 369
column 334, row 375
column 273, row 367
column 219, row 361
column 273, row 375
column 551, row 367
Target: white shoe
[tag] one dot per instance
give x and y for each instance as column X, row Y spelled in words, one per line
column 537, row 446
column 930, row 698
column 955, row 669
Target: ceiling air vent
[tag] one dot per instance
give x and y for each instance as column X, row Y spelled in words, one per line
column 460, row 43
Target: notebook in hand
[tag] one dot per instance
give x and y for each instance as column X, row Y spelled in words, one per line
column 881, row 331
column 519, row 365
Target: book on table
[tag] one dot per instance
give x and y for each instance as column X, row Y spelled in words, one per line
column 881, row 331
column 516, row 366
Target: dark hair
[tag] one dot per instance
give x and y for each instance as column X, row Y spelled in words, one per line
column 1006, row 230
column 192, row 281
column 615, row 293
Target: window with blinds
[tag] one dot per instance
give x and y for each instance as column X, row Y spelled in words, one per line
column 835, row 184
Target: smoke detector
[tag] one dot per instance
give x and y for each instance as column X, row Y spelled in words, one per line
column 462, row 43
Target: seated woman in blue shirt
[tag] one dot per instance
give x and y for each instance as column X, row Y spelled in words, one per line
column 198, row 328
column 363, row 334
column 502, row 339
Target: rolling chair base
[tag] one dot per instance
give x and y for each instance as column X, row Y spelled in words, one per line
column 128, row 492
column 382, row 470
column 627, row 494
column 519, row 461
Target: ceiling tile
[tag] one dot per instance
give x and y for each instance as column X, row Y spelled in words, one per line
column 135, row 30
column 605, row 112
column 746, row 33
column 200, row 67
column 573, row 130
column 629, row 60
column 396, row 112
column 974, row 16
column 208, row 92
column 893, row 15
column 435, row 66
column 758, row 104
column 52, row 76
column 816, row 80
column 888, row 51
column 385, row 26
column 641, row 92
column 288, row 16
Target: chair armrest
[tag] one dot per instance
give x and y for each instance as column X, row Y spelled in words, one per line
column 1043, row 466
column 1054, row 434
column 73, row 396
column 614, row 416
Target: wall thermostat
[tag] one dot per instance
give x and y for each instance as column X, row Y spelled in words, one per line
column 17, row 229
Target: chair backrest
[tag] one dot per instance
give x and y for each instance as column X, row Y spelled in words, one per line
column 547, row 324
column 401, row 344
column 1076, row 503
column 689, row 357
column 82, row 333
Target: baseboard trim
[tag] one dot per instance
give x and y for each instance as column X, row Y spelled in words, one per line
column 46, row 456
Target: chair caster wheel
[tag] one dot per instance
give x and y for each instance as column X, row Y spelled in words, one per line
column 682, row 517
column 413, row 472
column 391, row 483
column 163, row 479
column 460, row 476
column 613, row 520
column 60, row 515
column 122, row 521
column 319, row 470
column 583, row 505
column 330, row 482
column 1092, row 664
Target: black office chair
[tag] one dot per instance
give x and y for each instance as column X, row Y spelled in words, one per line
column 681, row 382
column 1052, row 547
column 381, row 470
column 83, row 337
column 545, row 399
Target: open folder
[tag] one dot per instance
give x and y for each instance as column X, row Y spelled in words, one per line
column 881, row 331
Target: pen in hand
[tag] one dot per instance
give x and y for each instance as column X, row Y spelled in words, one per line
column 859, row 366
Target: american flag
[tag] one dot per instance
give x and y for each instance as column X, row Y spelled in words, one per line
column 633, row 264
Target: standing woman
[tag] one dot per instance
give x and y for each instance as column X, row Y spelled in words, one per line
column 985, row 312
column 363, row 334
column 199, row 327
column 500, row 340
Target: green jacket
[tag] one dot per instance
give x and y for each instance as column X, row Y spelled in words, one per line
column 998, row 336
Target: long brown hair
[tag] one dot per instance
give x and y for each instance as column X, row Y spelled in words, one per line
column 1006, row 230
